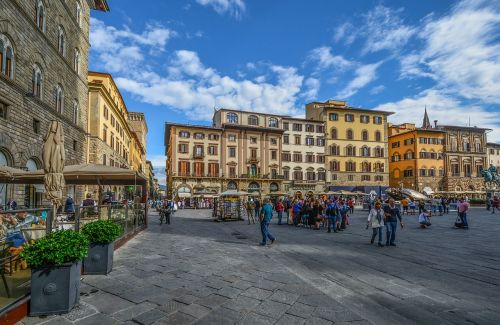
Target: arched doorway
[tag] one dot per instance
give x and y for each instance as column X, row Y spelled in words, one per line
column 4, row 161
column 253, row 187
column 33, row 194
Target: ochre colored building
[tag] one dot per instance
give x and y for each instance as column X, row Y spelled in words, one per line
column 356, row 145
column 416, row 157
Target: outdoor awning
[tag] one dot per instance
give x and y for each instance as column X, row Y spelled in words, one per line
column 86, row 174
column 233, row 193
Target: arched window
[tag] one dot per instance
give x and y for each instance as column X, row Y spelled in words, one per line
column 6, row 57
column 350, row 151
column 334, row 133
column 75, row 111
column 59, row 96
column 76, row 62
column 253, row 120
column 40, row 15
column 350, row 166
column 378, row 136
column 379, row 152
column 334, row 150
column 396, row 173
column 78, row 14
column 232, row 118
column 253, row 187
column 423, row 154
column 273, row 122
column 365, row 151
column 61, row 41
column 364, row 135
column 273, row 187
column 349, row 134
column 231, row 185
column 37, row 82
column 396, row 157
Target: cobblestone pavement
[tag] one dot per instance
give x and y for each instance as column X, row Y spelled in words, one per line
column 195, row 271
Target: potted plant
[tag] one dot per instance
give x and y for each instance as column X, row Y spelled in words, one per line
column 101, row 235
column 55, row 262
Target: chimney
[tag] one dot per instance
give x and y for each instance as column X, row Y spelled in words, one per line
column 435, row 123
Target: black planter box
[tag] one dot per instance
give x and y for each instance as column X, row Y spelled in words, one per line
column 99, row 260
column 55, row 289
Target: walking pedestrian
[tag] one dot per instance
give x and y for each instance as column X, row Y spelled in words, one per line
column 463, row 208
column 257, row 208
column 332, row 213
column 279, row 209
column 266, row 214
column 376, row 222
column 392, row 215
column 250, row 211
column 495, row 203
column 350, row 203
column 343, row 209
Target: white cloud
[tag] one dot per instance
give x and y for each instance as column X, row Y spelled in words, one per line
column 235, row 8
column 325, row 59
column 377, row 89
column 444, row 108
column 193, row 89
column 380, row 29
column 461, row 51
column 363, row 76
column 312, row 88
column 119, row 49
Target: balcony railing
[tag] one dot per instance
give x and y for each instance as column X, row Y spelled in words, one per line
column 199, row 155
column 253, row 160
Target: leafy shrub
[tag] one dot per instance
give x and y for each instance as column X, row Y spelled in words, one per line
column 101, row 231
column 55, row 249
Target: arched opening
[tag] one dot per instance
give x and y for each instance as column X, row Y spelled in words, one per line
column 231, row 185
column 273, row 187
column 253, row 187
column 33, row 194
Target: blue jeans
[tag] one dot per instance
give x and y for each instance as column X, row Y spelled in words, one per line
column 378, row 231
column 463, row 217
column 264, row 228
column 280, row 215
column 332, row 220
column 390, row 227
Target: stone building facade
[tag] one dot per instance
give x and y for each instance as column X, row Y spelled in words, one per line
column 44, row 53
column 303, row 156
column 251, row 150
column 193, row 161
column 139, row 129
column 493, row 154
column 464, row 156
column 356, row 145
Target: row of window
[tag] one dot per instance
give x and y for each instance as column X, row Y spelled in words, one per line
column 367, row 178
column 40, row 21
column 297, row 127
column 350, row 166
column 199, row 135
column 298, row 175
column 350, row 151
column 198, row 150
column 115, row 143
column 409, row 155
column 297, row 157
column 114, row 123
column 421, row 140
column 365, row 119
column 492, row 151
column 198, row 169
column 350, row 135
column 310, row 141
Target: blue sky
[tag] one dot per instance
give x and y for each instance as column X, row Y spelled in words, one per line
column 177, row 60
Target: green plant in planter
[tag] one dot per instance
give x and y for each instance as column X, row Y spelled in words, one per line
column 102, row 231
column 56, row 249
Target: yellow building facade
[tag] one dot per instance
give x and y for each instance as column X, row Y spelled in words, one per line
column 355, row 147
column 416, row 157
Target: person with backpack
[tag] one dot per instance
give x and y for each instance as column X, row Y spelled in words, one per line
column 332, row 213
column 297, row 210
column 279, row 209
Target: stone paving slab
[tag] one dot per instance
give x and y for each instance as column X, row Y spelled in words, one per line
column 195, row 271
